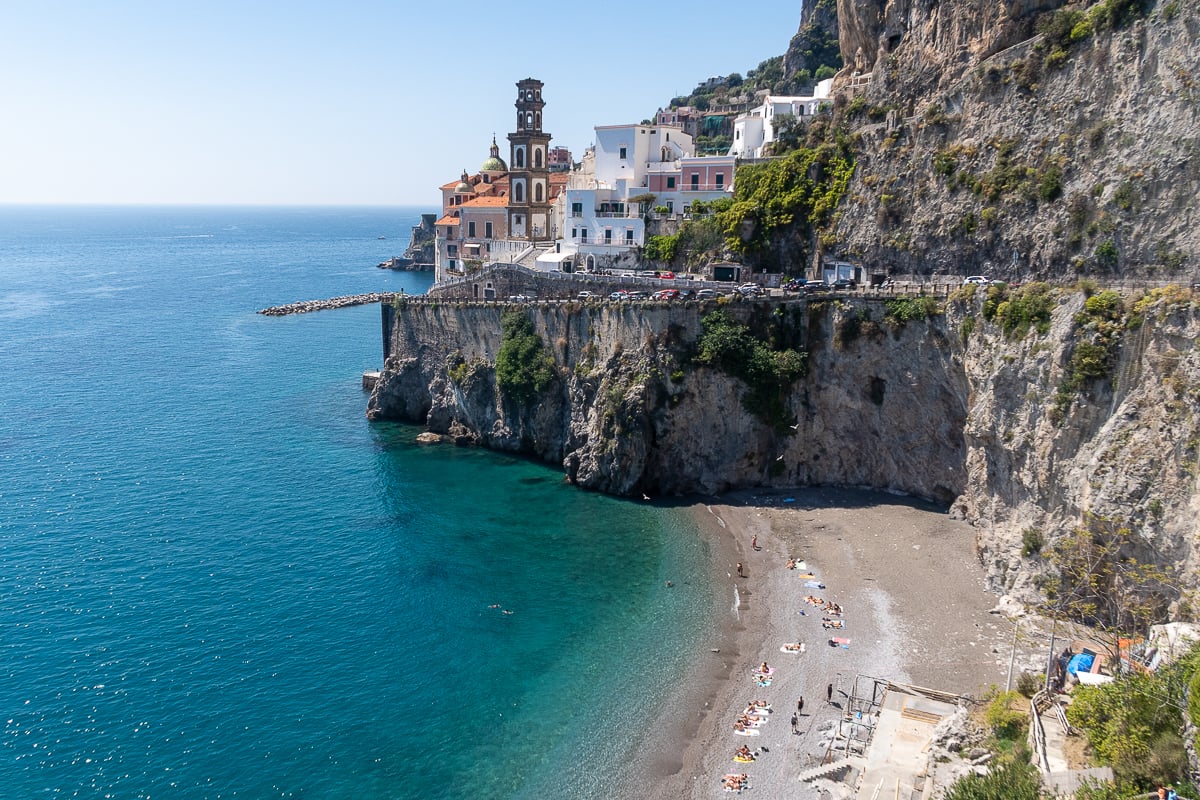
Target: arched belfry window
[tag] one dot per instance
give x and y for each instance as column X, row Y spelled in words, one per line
column 665, row 154
column 519, row 192
column 537, row 189
column 528, row 119
column 519, row 157
column 520, row 119
column 538, row 119
column 537, row 157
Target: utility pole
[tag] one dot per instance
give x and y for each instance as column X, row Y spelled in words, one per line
column 1012, row 657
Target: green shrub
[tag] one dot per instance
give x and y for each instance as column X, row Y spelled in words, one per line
column 523, row 366
column 1106, row 253
column 730, row 346
column 1051, row 184
column 1010, row 780
column 968, row 327
column 900, row 310
column 1029, row 684
column 1005, row 721
column 1028, row 307
column 661, row 248
column 802, row 188
column 1105, row 305
column 1031, row 542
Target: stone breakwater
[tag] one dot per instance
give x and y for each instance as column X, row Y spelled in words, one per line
column 305, row 306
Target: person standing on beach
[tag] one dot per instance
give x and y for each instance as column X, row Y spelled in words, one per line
column 800, row 706
column 829, row 693
column 795, row 723
column 754, row 542
column 741, row 574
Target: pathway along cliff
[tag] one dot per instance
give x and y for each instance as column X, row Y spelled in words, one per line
column 1037, row 410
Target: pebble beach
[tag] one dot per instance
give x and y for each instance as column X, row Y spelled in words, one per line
column 914, row 606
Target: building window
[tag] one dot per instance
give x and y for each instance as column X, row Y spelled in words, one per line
column 583, row 236
column 537, row 157
column 623, row 153
column 519, row 192
column 671, row 182
column 608, row 235
column 576, row 209
column 452, row 263
column 519, row 157
column 574, row 233
column 695, row 181
column 471, row 229
column 720, row 179
column 528, row 119
column 487, row 230
column 452, row 249
column 537, row 191
column 629, row 236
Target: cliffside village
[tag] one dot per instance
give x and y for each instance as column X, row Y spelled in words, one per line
column 543, row 211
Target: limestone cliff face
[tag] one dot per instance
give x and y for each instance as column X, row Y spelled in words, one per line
column 973, row 420
column 988, row 147
column 1127, row 449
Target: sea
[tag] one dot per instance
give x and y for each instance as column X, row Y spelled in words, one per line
column 219, row 580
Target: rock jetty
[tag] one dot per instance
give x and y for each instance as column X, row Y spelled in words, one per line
column 305, row 306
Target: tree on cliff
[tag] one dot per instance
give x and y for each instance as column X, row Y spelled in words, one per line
column 523, row 367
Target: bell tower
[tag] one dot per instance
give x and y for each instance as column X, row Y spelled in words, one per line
column 529, row 168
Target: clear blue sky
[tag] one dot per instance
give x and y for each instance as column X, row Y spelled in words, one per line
column 353, row 102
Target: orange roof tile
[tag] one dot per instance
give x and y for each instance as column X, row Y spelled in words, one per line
column 485, row 201
column 447, row 220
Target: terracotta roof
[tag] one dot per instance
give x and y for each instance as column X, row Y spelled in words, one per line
column 559, row 177
column 485, row 201
column 447, row 220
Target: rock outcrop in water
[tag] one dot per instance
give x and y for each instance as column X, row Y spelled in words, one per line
column 949, row 408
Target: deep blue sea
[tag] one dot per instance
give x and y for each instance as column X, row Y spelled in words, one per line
column 218, row 580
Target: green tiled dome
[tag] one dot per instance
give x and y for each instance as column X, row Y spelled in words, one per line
column 494, row 164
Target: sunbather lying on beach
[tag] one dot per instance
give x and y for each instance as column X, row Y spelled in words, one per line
column 814, row 601
column 793, row 647
column 734, row 782
column 833, row 623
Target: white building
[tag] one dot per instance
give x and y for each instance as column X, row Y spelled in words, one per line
column 601, row 217
column 755, row 129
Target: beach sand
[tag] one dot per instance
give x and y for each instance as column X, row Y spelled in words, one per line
column 916, row 611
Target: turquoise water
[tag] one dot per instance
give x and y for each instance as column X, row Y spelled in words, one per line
column 217, row 579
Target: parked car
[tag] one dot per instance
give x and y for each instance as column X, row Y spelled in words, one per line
column 665, row 294
column 750, row 289
column 585, row 295
column 707, row 294
column 620, row 294
column 666, row 276
column 639, row 295
column 980, row 279
column 844, row 284
column 794, row 285
column 813, row 287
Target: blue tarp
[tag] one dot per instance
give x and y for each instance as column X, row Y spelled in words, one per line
column 1080, row 663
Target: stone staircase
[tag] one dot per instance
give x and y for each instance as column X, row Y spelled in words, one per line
column 528, row 257
column 825, row 770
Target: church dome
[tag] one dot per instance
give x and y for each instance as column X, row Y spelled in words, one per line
column 464, row 186
column 494, row 162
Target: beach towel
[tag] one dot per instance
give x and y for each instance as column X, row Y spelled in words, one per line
column 814, row 584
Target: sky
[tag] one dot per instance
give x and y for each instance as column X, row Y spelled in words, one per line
column 347, row 103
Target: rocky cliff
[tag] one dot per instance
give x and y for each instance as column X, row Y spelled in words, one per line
column 1024, row 138
column 1015, row 428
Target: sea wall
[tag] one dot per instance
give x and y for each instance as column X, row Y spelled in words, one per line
column 955, row 411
